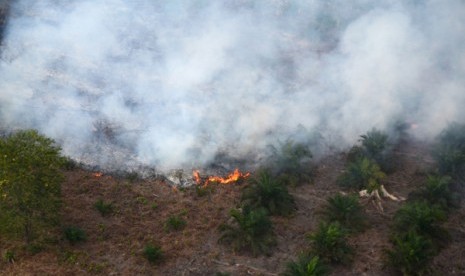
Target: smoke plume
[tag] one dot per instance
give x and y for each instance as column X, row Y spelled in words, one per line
column 172, row 84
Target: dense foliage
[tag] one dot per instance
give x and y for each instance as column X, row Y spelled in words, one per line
column 411, row 253
column 422, row 218
column 30, row 184
column 362, row 174
column 329, row 242
column 264, row 190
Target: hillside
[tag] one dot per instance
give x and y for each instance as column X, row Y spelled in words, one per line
column 142, row 206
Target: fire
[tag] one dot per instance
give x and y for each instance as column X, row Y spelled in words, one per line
column 232, row 177
column 97, row 174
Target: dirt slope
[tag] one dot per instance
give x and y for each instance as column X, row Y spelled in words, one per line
column 141, row 208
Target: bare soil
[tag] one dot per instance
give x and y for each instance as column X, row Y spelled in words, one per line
column 141, row 207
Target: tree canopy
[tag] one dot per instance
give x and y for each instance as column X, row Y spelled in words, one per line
column 30, row 183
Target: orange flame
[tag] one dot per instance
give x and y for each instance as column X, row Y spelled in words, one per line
column 97, row 174
column 232, row 177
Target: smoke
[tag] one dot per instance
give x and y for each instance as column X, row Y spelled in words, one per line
column 172, row 84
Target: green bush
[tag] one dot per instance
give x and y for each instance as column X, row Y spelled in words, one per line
column 375, row 144
column 175, row 223
column 154, row 254
column 449, row 151
column 30, row 184
column 251, row 230
column 362, row 174
column 291, row 162
column 9, row 256
column 346, row 210
column 437, row 192
column 306, row 266
column 422, row 218
column 75, row 234
column 376, row 147
column 264, row 190
column 411, row 254
column 329, row 242
column 105, row 208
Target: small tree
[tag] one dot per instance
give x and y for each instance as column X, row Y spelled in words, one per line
column 251, row 230
column 362, row 174
column 291, row 162
column 422, row 218
column 437, row 192
column 346, row 210
column 30, row 183
column 264, row 190
column 449, row 151
column 411, row 253
column 329, row 242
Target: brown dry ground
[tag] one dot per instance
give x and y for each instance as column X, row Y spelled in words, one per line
column 141, row 208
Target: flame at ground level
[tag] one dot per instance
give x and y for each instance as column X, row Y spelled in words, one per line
column 231, row 178
column 97, row 174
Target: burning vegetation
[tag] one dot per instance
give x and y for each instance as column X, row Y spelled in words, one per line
column 233, row 177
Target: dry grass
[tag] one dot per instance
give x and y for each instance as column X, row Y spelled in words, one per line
column 115, row 243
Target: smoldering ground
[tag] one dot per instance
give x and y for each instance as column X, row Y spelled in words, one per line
column 174, row 83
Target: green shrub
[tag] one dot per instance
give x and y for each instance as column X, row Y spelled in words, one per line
column 105, row 208
column 329, row 242
column 30, row 184
column 175, row 223
column 251, row 230
column 375, row 144
column 154, row 254
column 346, row 210
column 9, row 256
column 449, row 151
column 411, row 254
column 266, row 191
column 306, row 266
column 75, row 234
column 362, row 174
column 437, row 192
column 422, row 218
column 291, row 162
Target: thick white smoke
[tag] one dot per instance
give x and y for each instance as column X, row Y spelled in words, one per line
column 173, row 83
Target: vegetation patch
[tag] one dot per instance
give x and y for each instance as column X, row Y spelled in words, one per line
column 175, row 223
column 265, row 190
column 329, row 242
column 30, row 184
column 449, row 151
column 411, row 253
column 362, row 174
column 423, row 219
column 250, row 230
column 291, row 162
column 75, row 234
column 346, row 210
column 306, row 266
column 104, row 208
column 153, row 253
